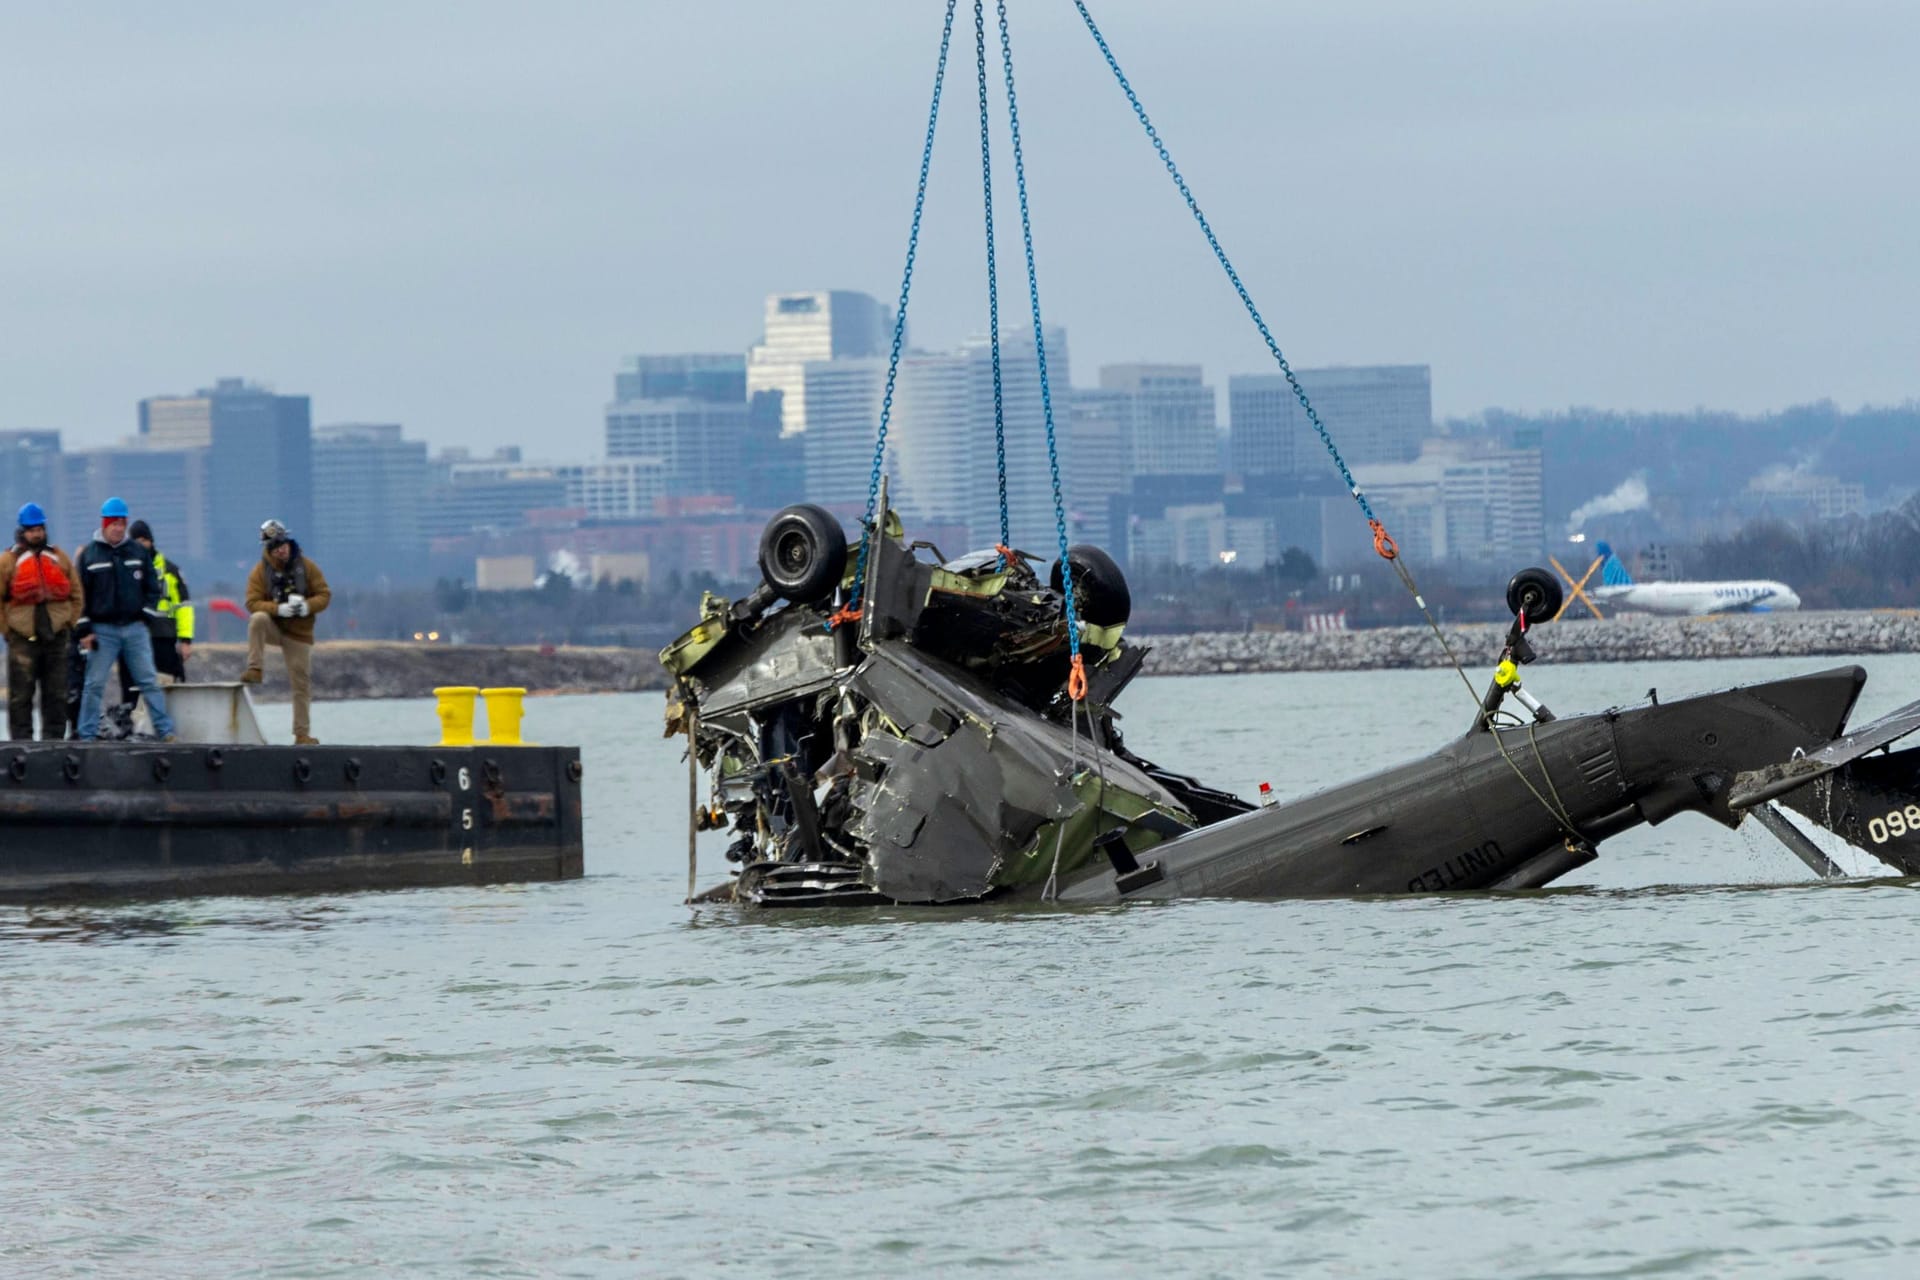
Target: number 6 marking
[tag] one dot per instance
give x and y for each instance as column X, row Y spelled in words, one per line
column 466, row 779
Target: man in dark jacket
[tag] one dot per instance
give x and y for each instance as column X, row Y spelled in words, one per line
column 172, row 629
column 122, row 591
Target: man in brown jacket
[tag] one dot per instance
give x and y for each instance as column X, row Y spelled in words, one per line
column 284, row 592
column 40, row 597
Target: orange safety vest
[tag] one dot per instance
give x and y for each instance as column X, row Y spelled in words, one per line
column 38, row 578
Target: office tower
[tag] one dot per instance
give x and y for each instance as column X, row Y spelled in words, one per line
column 1029, row 474
column 617, row 489
column 719, row 379
column 168, row 488
column 30, row 472
column 933, row 439
column 844, row 413
column 802, row 328
column 1172, row 411
column 700, row 444
column 1100, row 442
column 776, row 465
column 1375, row 413
column 368, row 509
column 493, row 494
column 1467, row 501
column 259, row 459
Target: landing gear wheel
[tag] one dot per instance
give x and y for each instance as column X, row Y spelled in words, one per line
column 803, row 553
column 1100, row 594
column 1538, row 593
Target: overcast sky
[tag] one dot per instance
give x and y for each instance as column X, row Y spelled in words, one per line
column 461, row 216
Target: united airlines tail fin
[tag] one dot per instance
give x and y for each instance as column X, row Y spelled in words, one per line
column 1612, row 572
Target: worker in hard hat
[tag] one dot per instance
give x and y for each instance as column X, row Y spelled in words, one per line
column 284, row 593
column 40, row 597
column 122, row 593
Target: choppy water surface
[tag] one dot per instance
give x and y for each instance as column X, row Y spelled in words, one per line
column 1692, row 1063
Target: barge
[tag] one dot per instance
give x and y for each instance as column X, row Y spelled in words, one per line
column 94, row 821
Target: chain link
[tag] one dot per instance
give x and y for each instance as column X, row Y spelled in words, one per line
column 993, row 276
column 869, row 532
column 1040, row 342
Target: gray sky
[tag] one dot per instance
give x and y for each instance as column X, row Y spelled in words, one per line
column 460, row 216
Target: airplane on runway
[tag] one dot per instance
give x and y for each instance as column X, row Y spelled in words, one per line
column 1618, row 588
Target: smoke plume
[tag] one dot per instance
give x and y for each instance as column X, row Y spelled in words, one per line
column 1631, row 495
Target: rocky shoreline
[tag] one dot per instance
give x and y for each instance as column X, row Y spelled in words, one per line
column 1623, row 639
column 396, row 669
column 393, row 669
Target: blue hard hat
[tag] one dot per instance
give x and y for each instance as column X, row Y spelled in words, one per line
column 114, row 509
column 31, row 515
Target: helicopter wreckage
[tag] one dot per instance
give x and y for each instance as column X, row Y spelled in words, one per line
column 924, row 748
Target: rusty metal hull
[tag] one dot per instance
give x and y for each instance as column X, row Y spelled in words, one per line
column 89, row 821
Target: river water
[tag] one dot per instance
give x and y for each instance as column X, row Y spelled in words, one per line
column 1690, row 1062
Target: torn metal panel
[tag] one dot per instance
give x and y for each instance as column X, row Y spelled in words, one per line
column 1764, row 784
column 970, row 782
column 790, row 657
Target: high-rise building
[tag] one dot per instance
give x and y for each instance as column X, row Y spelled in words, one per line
column 802, row 328
column 720, row 379
column 369, row 487
column 699, row 443
column 1172, row 412
column 468, row 495
column 618, row 489
column 1100, row 441
column 259, row 459
column 168, row 488
column 932, row 440
column 1029, row 470
column 30, row 472
column 776, row 465
column 1467, row 501
column 941, row 460
column 1375, row 413
column 843, row 399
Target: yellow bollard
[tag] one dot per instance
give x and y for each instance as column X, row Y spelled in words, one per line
column 503, row 715
column 456, row 714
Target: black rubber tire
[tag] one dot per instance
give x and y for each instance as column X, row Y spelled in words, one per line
column 803, row 553
column 1536, row 591
column 1100, row 594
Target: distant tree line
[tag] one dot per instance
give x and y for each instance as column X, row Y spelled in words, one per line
column 1863, row 562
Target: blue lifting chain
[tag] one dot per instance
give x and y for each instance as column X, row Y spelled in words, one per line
column 993, row 277
column 1077, row 680
column 852, row 607
column 1381, row 542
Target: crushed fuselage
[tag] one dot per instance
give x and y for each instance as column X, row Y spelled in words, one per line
column 926, row 751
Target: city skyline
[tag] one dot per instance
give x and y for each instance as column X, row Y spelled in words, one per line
column 1634, row 207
